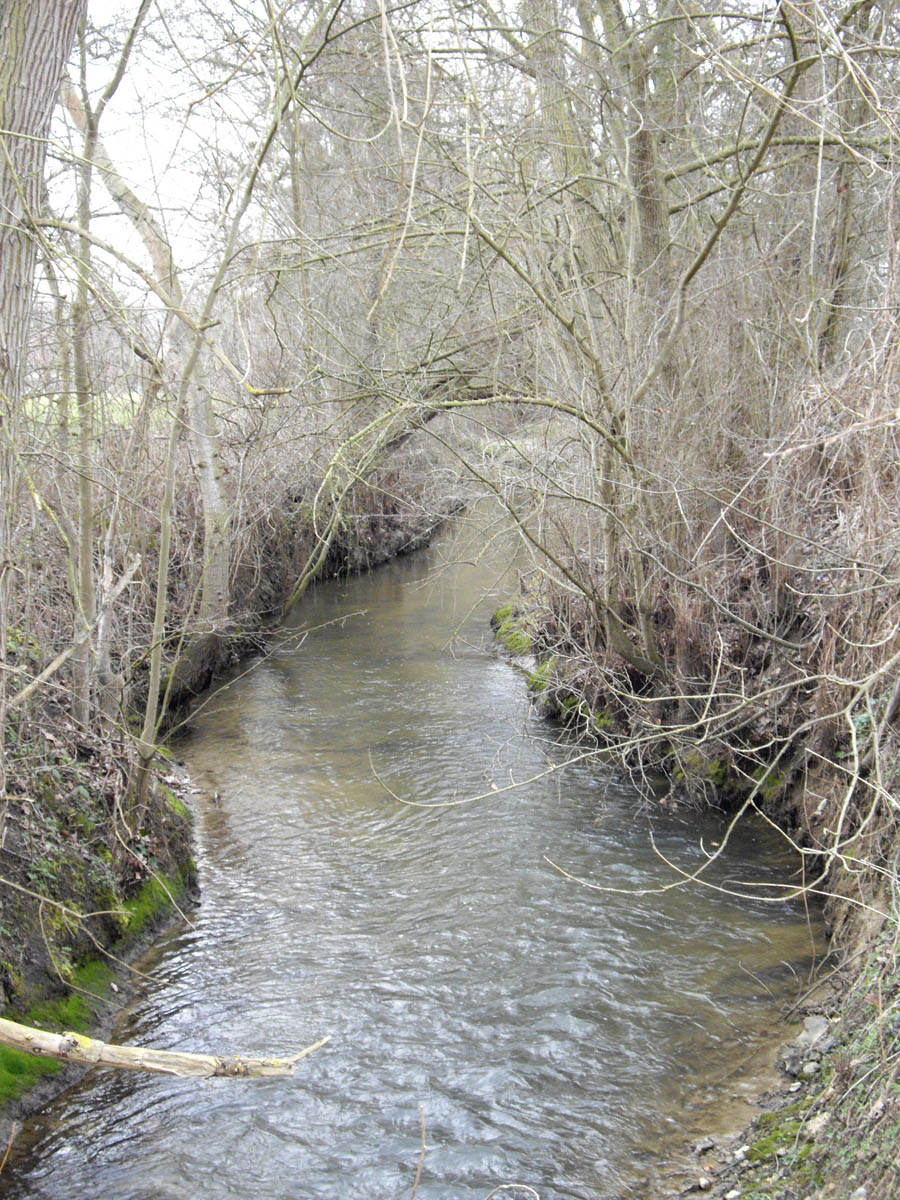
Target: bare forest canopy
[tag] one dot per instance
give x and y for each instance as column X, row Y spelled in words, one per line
column 281, row 283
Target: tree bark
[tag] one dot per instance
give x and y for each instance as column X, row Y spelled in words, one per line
column 91, row 1052
column 84, row 590
column 36, row 37
column 186, row 375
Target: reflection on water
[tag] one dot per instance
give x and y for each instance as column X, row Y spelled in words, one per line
column 553, row 1036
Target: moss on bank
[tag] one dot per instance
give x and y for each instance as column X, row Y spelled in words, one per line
column 511, row 630
column 858, row 1099
column 547, row 680
column 76, row 877
column 77, row 1010
column 834, row 1134
column 77, row 880
column 155, row 901
column 570, row 687
column 91, row 988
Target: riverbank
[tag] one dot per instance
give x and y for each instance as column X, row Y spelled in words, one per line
column 88, row 877
column 713, row 1162
column 829, row 1131
column 85, row 882
column 76, row 960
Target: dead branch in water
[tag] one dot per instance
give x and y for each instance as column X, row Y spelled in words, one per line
column 91, row 1052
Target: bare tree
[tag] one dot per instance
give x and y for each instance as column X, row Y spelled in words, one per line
column 35, row 41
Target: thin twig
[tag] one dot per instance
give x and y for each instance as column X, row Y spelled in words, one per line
column 14, row 1130
column 412, row 1194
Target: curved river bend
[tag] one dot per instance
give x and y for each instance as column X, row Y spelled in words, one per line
column 553, row 1036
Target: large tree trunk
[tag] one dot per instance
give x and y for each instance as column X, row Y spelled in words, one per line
column 84, row 592
column 594, row 253
column 36, row 38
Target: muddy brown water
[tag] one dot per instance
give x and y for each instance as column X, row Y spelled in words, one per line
column 552, row 1037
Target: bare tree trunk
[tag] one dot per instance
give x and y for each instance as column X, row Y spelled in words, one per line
column 36, row 38
column 186, row 375
column 590, row 236
column 84, row 596
column 629, row 60
column 851, row 107
column 91, row 1052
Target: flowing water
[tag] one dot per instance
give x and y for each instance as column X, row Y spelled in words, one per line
column 546, row 1034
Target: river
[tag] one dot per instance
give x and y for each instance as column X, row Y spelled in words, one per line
column 559, row 1038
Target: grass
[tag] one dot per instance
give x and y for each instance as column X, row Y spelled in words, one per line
column 118, row 409
column 89, row 991
column 153, row 900
column 77, row 1012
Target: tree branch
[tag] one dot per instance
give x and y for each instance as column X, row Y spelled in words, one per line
column 91, row 1052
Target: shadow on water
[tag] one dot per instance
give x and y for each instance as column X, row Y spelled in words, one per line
column 559, row 1037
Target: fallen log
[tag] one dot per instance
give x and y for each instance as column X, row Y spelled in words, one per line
column 91, row 1052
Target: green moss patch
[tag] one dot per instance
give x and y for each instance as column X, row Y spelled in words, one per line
column 539, row 679
column 76, row 1011
column 771, row 784
column 510, row 630
column 153, row 901
column 776, row 1134
column 177, row 806
column 89, row 989
column 19, row 1072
